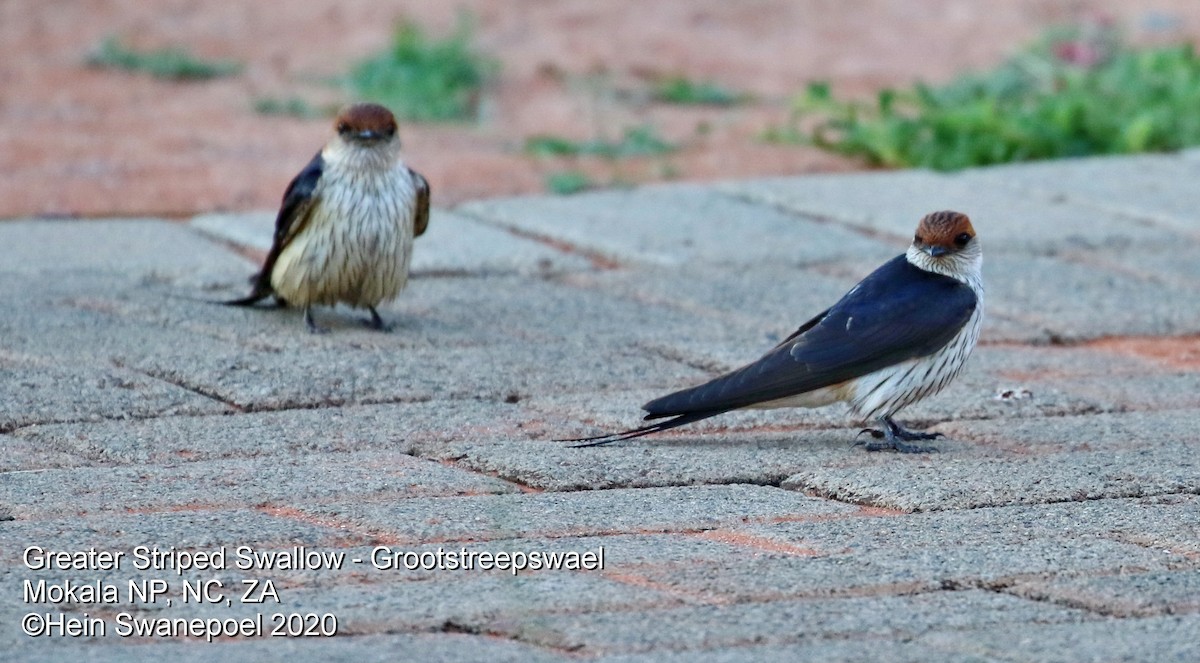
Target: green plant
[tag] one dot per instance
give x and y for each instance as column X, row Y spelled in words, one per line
column 291, row 106
column 680, row 90
column 1075, row 93
column 170, row 63
column 635, row 142
column 421, row 78
column 566, row 182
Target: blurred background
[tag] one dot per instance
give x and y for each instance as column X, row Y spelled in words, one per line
column 174, row 107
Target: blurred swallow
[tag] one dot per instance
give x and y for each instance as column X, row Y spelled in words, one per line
column 345, row 230
column 903, row 333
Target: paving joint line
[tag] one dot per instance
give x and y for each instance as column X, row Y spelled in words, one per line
column 1092, row 607
column 178, row 383
column 1146, row 218
column 866, row 231
column 522, row 486
column 455, row 625
column 242, row 250
column 599, row 261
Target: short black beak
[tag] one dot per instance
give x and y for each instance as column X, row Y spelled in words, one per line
column 367, row 134
column 937, row 251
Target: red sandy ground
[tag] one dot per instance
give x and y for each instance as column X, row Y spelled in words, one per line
column 76, row 141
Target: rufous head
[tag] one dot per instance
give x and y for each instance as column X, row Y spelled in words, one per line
column 365, row 124
column 944, row 233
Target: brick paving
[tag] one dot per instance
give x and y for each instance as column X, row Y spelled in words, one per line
column 1061, row 520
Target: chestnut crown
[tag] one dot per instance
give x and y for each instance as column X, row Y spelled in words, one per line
column 365, row 123
column 944, row 232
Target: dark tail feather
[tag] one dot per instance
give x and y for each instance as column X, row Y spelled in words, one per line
column 250, row 300
column 609, row 438
column 262, row 290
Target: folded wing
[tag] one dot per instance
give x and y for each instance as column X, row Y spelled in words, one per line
column 899, row 312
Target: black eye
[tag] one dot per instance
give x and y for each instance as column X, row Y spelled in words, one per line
column 343, row 127
column 390, row 131
column 917, row 239
column 962, row 239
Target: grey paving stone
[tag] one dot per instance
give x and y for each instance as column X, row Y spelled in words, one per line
column 271, row 481
column 978, row 393
column 623, row 551
column 878, row 650
column 432, row 647
column 89, row 318
column 467, row 604
column 96, row 314
column 183, row 530
column 1058, row 380
column 674, row 225
column 1127, row 640
column 269, row 435
column 18, row 454
column 1142, row 188
column 426, row 598
column 462, row 339
column 878, row 568
column 1006, row 219
column 1175, row 266
column 1015, row 461
column 129, row 249
column 494, row 336
column 760, row 305
column 1155, row 533
column 766, row 446
column 894, row 555
column 1108, row 379
column 1125, row 595
column 1062, row 297
column 646, row 510
column 772, row 300
column 452, row 244
column 697, row 628
column 45, row 391
column 1165, row 523
column 337, row 375
column 621, row 554
column 251, row 230
column 505, row 342
column 692, row 458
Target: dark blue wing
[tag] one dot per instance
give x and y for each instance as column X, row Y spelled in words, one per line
column 899, row 312
column 422, row 213
column 298, row 201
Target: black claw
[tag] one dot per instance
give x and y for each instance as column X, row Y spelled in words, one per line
column 894, row 437
column 873, row 432
column 312, row 326
column 376, row 322
column 903, row 433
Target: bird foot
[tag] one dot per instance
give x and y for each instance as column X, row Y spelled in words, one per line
column 896, row 437
column 313, row 327
column 895, row 445
column 376, row 322
column 910, row 435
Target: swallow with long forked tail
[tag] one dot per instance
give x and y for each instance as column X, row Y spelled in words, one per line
column 900, row 335
column 345, row 230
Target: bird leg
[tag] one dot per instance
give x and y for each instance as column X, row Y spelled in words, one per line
column 312, row 326
column 376, row 322
column 895, row 436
